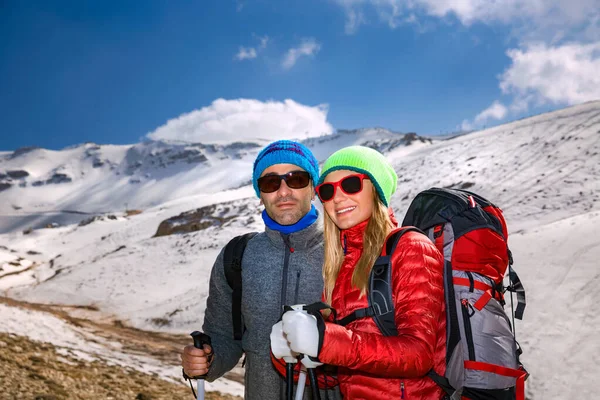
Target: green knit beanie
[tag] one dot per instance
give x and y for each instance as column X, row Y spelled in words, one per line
column 366, row 161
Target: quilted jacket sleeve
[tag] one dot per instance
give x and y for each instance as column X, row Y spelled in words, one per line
column 417, row 268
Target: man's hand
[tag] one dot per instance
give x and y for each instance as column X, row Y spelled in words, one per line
column 280, row 346
column 195, row 362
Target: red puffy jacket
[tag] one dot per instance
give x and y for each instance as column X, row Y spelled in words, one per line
column 373, row 366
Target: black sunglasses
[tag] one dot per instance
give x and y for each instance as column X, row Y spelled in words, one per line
column 294, row 180
column 350, row 184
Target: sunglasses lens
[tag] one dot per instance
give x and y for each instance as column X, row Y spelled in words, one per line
column 326, row 191
column 297, row 179
column 269, row 183
column 351, row 184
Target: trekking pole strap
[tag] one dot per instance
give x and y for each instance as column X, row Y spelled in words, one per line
column 361, row 313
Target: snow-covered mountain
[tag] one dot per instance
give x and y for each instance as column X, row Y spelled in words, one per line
column 60, row 186
column 543, row 171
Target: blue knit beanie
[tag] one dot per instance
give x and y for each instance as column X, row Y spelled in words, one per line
column 285, row 152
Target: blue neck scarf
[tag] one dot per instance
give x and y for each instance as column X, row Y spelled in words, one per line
column 304, row 222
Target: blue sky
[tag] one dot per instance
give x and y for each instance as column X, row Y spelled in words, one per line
column 116, row 72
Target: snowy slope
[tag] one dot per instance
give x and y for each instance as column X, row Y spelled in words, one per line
column 558, row 264
column 543, row 171
column 39, row 186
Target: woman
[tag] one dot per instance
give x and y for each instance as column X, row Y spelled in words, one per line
column 355, row 189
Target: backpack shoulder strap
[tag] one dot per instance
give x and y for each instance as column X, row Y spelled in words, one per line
column 380, row 285
column 232, row 264
column 381, row 302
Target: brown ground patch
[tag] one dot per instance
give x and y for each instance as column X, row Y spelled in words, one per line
column 34, row 370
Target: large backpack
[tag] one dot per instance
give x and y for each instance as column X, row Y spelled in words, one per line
column 482, row 356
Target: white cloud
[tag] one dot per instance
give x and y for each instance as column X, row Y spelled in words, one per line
column 466, row 126
column 354, row 19
column 541, row 75
column 264, row 40
column 556, row 61
column 561, row 75
column 246, row 53
column 531, row 19
column 308, row 47
column 496, row 111
column 246, row 119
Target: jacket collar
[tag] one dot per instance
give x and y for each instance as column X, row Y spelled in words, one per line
column 352, row 238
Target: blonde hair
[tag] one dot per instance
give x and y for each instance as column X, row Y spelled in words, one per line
column 378, row 227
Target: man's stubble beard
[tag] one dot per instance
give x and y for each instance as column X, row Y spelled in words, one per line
column 288, row 217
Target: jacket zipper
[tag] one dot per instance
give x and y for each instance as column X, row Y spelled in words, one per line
column 297, row 287
column 466, row 309
column 284, row 277
column 402, row 390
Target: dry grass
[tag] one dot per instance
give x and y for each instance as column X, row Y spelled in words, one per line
column 34, row 370
column 132, row 212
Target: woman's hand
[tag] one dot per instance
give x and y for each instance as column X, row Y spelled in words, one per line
column 301, row 332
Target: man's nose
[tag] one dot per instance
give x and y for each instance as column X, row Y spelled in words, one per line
column 284, row 190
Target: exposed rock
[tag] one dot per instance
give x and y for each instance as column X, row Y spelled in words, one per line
column 4, row 186
column 59, row 178
column 460, row 185
column 88, row 221
column 17, row 174
column 214, row 215
column 190, row 155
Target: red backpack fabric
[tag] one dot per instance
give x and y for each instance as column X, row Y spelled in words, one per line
column 482, row 356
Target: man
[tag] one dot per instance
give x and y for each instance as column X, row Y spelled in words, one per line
column 281, row 266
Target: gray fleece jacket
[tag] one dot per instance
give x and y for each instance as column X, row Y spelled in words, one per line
column 277, row 270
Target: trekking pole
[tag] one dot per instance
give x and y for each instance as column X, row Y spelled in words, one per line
column 314, row 384
column 289, row 367
column 289, row 380
column 301, row 385
column 200, row 339
column 312, row 375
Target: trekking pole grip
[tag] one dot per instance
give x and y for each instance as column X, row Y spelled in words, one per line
column 200, row 339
